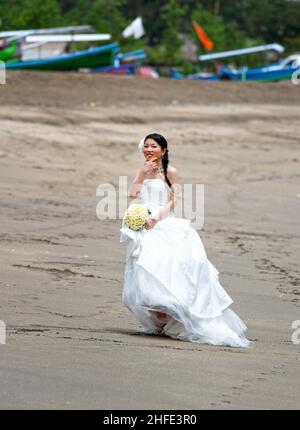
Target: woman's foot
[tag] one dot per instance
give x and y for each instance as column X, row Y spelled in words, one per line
column 163, row 318
column 159, row 330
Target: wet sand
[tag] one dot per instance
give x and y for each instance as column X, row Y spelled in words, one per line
column 71, row 344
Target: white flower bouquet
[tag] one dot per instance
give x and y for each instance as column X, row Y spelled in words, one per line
column 136, row 216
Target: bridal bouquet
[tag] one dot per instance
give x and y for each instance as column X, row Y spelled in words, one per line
column 136, row 216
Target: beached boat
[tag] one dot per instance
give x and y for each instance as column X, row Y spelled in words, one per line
column 95, row 57
column 284, row 69
column 132, row 56
column 7, row 53
column 275, row 72
column 124, row 64
column 128, row 69
column 259, row 74
column 203, row 76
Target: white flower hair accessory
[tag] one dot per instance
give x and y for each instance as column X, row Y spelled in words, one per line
column 141, row 144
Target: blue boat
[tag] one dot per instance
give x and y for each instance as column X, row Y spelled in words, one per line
column 124, row 63
column 269, row 73
column 138, row 54
column 284, row 69
column 126, row 69
column 200, row 76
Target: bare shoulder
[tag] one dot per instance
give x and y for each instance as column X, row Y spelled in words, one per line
column 173, row 175
column 171, row 170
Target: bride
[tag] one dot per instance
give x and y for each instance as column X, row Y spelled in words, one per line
column 170, row 286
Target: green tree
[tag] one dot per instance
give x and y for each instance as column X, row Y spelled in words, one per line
column 292, row 44
column 104, row 15
column 214, row 27
column 22, row 14
column 226, row 35
column 231, row 24
column 271, row 20
column 77, row 13
column 171, row 14
column 150, row 12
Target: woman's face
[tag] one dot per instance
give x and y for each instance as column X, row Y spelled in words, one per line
column 152, row 150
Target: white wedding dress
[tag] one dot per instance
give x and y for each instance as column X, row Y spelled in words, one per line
column 167, row 271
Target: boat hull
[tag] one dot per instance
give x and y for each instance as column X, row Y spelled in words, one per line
column 97, row 57
column 260, row 74
column 6, row 54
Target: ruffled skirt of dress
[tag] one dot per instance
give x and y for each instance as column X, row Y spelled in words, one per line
column 167, row 271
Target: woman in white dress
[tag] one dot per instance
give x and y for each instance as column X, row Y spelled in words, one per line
column 169, row 284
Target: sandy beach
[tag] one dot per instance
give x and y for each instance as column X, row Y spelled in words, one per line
column 70, row 342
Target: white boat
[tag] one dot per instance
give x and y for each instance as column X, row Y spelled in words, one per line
column 46, row 46
column 39, row 44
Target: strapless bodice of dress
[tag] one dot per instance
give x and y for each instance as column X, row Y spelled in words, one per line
column 154, row 195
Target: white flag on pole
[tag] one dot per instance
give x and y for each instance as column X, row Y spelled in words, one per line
column 135, row 29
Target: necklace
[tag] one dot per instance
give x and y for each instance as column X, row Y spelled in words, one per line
column 160, row 169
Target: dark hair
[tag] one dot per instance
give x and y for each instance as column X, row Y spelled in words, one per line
column 164, row 145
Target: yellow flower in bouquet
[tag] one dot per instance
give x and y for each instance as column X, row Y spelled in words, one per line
column 136, row 216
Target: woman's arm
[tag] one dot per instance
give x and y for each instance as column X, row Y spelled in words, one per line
column 137, row 183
